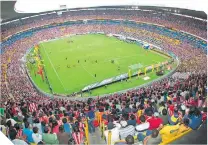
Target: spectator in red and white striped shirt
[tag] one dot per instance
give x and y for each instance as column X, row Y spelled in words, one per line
column 33, row 107
column 19, row 132
column 78, row 136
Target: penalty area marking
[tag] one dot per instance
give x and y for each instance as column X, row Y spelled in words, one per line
column 54, row 68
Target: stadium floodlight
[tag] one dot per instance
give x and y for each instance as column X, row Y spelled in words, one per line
column 37, row 6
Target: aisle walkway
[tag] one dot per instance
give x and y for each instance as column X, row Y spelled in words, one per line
column 95, row 138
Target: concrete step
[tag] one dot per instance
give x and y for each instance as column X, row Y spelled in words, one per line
column 95, row 138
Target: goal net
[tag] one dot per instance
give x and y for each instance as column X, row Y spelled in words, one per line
column 135, row 68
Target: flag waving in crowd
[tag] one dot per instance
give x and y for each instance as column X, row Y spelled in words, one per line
column 40, row 72
column 39, row 62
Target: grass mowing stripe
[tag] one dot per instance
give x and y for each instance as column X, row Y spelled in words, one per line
column 54, row 68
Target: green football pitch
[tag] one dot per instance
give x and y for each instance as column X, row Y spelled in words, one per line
column 72, row 62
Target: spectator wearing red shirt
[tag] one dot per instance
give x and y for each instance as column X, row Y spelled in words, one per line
column 14, row 109
column 44, row 118
column 204, row 114
column 148, row 117
column 170, row 108
column 193, row 102
column 55, row 127
column 155, row 122
column 61, row 114
column 200, row 102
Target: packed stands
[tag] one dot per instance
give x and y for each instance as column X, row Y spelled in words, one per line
column 147, row 115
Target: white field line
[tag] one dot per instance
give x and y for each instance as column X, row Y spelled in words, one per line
column 88, row 72
column 54, row 68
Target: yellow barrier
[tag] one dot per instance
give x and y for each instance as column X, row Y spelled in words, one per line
column 100, row 121
column 85, row 143
column 86, row 133
column 109, row 137
column 175, row 138
column 103, row 129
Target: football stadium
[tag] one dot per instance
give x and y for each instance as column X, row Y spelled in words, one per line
column 79, row 64
column 109, row 74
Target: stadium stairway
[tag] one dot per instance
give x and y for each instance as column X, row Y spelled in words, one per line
column 95, row 138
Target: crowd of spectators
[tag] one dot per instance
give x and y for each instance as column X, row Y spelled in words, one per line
column 150, row 114
column 186, row 24
column 28, row 116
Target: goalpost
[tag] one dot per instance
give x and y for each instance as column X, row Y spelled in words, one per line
column 134, row 69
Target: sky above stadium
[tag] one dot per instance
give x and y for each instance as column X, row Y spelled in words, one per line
column 36, row 6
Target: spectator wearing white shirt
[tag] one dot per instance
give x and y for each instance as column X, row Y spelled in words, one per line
column 36, row 136
column 161, row 107
column 114, row 128
column 143, row 126
column 38, row 125
column 126, row 130
column 142, row 129
column 8, row 117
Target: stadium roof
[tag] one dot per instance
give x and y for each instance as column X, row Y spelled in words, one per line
column 34, row 6
column 8, row 13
